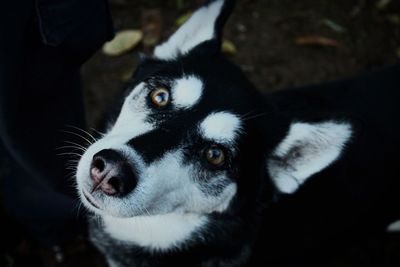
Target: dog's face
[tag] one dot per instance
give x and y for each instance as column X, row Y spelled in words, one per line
column 174, row 146
column 189, row 139
column 176, row 141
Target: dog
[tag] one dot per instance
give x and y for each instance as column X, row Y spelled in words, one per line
column 198, row 168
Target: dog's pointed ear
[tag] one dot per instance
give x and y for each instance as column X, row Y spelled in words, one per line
column 204, row 25
column 307, row 149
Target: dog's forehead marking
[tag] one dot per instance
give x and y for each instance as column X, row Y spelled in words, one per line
column 221, row 127
column 186, row 91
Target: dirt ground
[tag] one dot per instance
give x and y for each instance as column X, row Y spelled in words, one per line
column 363, row 35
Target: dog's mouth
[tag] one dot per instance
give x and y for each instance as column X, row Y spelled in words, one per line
column 91, row 199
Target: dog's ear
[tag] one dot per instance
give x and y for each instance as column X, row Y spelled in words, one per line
column 307, row 149
column 205, row 25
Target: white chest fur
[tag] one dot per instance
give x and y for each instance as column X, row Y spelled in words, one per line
column 159, row 232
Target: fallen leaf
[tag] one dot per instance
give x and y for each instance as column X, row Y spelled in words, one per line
column 394, row 19
column 316, row 40
column 182, row 19
column 228, row 47
column 382, row 4
column 151, row 26
column 123, row 42
column 333, row 26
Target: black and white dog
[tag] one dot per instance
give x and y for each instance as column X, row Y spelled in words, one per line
column 199, row 169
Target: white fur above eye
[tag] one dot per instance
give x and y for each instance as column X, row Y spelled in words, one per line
column 158, row 232
column 306, row 150
column 187, row 91
column 221, row 127
column 131, row 121
column 199, row 28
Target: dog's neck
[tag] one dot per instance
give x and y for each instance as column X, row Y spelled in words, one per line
column 157, row 232
column 169, row 237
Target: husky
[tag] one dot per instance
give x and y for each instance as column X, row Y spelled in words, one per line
column 198, row 168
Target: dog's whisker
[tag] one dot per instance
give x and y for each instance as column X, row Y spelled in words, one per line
column 71, row 147
column 72, row 162
column 75, row 144
column 71, row 167
column 78, row 135
column 98, row 132
column 247, row 114
column 78, row 208
column 83, row 131
column 255, row 116
column 147, row 211
column 69, row 154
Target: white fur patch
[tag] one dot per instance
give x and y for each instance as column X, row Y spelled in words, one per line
column 394, row 227
column 187, row 91
column 159, row 232
column 225, row 198
column 221, row 127
column 306, row 150
column 130, row 123
column 199, row 28
column 170, row 186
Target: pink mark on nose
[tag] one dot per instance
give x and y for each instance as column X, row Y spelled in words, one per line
column 103, row 180
column 97, row 175
column 107, row 188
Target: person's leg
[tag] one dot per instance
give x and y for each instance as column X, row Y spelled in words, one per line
column 44, row 97
column 40, row 95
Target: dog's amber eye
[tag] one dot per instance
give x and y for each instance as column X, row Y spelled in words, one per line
column 160, row 97
column 215, row 156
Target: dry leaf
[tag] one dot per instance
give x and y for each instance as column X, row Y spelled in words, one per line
column 228, row 47
column 382, row 4
column 394, row 19
column 151, row 26
column 333, row 26
column 123, row 42
column 316, row 40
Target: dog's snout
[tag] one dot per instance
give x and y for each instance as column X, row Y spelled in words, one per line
column 112, row 173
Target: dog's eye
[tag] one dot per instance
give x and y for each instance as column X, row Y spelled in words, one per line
column 215, row 156
column 160, row 97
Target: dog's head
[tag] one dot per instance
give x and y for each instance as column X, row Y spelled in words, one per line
column 193, row 136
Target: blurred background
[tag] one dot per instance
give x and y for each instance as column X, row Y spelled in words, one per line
column 278, row 44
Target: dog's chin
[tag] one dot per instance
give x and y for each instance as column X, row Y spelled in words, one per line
column 100, row 210
column 90, row 203
column 97, row 207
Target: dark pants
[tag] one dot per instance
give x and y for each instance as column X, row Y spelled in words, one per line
column 43, row 43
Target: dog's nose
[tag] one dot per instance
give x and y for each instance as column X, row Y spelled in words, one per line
column 112, row 173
